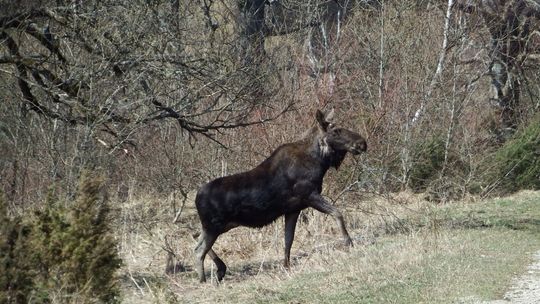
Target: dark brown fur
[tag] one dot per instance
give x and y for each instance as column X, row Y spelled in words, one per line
column 287, row 182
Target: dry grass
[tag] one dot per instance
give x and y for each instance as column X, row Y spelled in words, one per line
column 147, row 232
column 407, row 251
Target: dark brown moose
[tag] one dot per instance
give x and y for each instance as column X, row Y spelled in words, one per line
column 287, row 182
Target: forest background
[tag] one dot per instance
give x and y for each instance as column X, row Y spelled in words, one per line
column 160, row 97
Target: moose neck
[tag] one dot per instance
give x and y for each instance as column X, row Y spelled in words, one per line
column 333, row 158
column 325, row 153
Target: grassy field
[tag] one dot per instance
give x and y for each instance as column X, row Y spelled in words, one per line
column 418, row 253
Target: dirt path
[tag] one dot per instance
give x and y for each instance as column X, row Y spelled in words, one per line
column 526, row 288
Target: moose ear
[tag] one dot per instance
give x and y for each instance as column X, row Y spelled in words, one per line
column 321, row 121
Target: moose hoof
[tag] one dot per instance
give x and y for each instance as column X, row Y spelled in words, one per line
column 287, row 264
column 348, row 242
column 221, row 273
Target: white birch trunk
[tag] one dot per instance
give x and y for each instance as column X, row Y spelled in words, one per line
column 440, row 64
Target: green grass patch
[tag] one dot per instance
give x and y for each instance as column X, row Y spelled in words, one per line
column 424, row 268
column 521, row 212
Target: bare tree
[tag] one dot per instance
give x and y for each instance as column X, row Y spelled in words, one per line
column 511, row 24
column 95, row 74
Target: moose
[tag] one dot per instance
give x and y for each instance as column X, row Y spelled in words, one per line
column 285, row 183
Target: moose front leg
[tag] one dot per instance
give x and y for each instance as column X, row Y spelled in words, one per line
column 290, row 226
column 319, row 203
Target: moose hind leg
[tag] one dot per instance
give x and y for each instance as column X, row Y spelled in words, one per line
column 221, row 267
column 206, row 240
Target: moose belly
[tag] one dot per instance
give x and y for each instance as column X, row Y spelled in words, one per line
column 263, row 212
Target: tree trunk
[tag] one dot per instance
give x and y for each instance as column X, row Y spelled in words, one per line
column 252, row 34
column 508, row 25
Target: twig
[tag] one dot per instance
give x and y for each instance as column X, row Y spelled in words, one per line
column 135, row 282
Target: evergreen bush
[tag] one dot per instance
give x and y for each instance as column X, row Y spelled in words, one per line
column 76, row 253
column 428, row 162
column 16, row 282
column 516, row 165
column 63, row 252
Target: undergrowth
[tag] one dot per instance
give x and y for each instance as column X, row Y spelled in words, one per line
column 64, row 253
column 516, row 165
